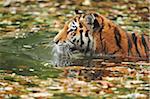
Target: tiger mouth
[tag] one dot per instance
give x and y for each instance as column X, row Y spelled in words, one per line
column 73, row 49
column 62, row 50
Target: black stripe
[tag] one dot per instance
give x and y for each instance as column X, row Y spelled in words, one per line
column 71, row 30
column 100, row 31
column 68, row 32
column 144, row 44
column 57, row 41
column 74, row 40
column 109, row 25
column 81, row 31
column 102, row 25
column 117, row 37
column 83, row 16
column 134, row 38
column 81, row 38
column 87, row 48
column 96, row 25
column 86, row 33
column 88, row 44
column 79, row 17
column 75, row 20
column 80, row 25
column 129, row 44
column 103, row 43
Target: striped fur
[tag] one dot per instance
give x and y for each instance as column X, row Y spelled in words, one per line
column 92, row 32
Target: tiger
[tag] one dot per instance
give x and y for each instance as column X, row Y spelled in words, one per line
column 91, row 32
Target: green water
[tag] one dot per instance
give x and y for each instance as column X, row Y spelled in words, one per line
column 28, row 56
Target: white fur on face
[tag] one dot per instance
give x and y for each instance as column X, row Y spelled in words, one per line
column 61, row 53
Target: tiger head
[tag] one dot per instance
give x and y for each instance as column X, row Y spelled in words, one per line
column 77, row 33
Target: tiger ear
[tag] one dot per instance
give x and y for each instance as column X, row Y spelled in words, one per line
column 92, row 22
column 79, row 11
column 90, row 19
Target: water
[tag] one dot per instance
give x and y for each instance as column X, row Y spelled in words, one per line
column 35, row 54
column 28, row 56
